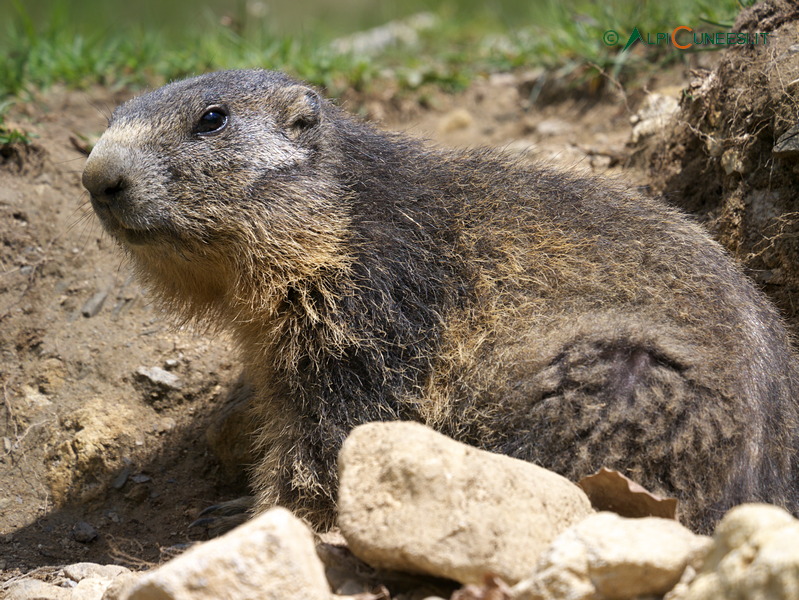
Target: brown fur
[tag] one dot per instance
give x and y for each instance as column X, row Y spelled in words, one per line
column 558, row 319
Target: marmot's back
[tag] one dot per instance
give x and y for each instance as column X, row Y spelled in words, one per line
column 559, row 319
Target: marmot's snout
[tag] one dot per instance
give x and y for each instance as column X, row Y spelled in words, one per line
column 105, row 177
column 123, row 184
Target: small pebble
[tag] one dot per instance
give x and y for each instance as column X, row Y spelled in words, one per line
column 94, row 304
column 83, row 532
column 158, row 377
column 121, row 479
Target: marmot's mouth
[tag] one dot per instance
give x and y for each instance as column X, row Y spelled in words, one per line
column 119, row 229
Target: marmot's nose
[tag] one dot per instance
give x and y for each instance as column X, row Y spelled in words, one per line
column 104, row 180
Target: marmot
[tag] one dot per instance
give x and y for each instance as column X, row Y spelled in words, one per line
column 559, row 319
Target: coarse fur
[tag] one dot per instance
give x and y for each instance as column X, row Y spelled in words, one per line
column 559, row 319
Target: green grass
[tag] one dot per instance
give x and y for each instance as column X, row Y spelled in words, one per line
column 87, row 43
column 10, row 135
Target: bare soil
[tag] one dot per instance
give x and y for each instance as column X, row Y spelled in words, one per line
column 731, row 156
column 100, row 464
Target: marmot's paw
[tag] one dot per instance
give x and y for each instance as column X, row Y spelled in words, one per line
column 221, row 518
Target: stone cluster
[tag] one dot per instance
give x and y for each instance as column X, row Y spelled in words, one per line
column 418, row 508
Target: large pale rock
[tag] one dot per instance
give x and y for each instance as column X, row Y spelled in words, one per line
column 755, row 556
column 118, row 589
column 91, row 588
column 33, row 589
column 609, row 557
column 414, row 500
column 81, row 581
column 272, row 557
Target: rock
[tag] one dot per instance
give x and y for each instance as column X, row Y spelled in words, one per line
column 119, row 481
column 455, row 120
column 787, row 145
column 158, row 378
column 524, row 148
column 83, row 532
column 271, row 556
column 91, row 587
column 33, row 589
column 80, row 571
column 159, row 387
column 732, row 162
column 755, row 555
column 411, row 499
column 167, row 424
column 94, row 304
column 118, row 589
column 608, row 556
column 655, row 113
column 552, row 127
column 35, row 398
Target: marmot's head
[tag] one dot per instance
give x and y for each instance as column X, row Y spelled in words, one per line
column 207, row 180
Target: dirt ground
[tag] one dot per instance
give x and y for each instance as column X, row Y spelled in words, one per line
column 732, row 157
column 101, row 463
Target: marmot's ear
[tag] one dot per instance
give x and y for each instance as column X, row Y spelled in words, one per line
column 303, row 111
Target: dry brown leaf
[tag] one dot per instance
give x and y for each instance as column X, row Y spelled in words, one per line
column 610, row 490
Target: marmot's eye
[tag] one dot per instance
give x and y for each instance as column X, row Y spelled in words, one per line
column 213, row 120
